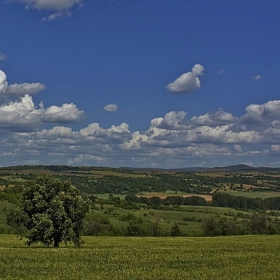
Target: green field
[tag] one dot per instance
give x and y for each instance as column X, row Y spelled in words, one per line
column 188, row 217
column 242, row 257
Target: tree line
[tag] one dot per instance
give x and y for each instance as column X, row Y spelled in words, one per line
column 256, row 223
column 169, row 200
column 245, row 203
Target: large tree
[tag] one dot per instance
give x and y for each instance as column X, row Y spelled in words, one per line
column 52, row 212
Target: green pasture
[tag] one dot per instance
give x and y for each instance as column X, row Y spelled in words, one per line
column 120, row 258
column 189, row 218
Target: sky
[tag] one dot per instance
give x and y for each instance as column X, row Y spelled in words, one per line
column 139, row 83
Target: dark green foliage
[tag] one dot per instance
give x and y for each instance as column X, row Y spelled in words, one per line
column 51, row 212
column 245, row 203
column 11, row 194
column 169, row 200
column 258, row 223
column 137, row 227
column 95, row 224
column 211, row 226
column 254, row 224
column 176, row 231
column 155, row 229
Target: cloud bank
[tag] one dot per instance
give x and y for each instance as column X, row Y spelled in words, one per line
column 173, row 140
column 187, row 82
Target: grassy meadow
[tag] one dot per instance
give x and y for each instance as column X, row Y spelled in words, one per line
column 238, row 257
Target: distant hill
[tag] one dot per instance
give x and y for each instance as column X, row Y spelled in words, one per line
column 67, row 168
column 235, row 167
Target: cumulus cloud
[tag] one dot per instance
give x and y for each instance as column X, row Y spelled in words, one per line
column 3, row 82
column 172, row 120
column 269, row 111
column 173, row 139
column 90, row 129
column 57, row 131
column 19, row 90
column 111, row 108
column 19, row 113
column 214, row 118
column 25, row 88
column 256, row 77
column 3, row 56
column 64, row 114
column 187, row 82
column 23, row 114
column 60, row 8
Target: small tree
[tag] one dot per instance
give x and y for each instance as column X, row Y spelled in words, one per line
column 176, row 231
column 154, row 228
column 210, row 226
column 51, row 211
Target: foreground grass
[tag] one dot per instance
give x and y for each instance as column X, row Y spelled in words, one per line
column 245, row 257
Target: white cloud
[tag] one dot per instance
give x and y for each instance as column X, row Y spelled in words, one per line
column 214, row 118
column 25, row 88
column 238, row 148
column 187, row 82
column 111, row 108
column 64, row 114
column 3, row 56
column 172, row 120
column 18, row 89
column 90, row 129
column 171, row 140
column 3, row 82
column 275, row 148
column 57, row 131
column 57, row 15
column 51, row 5
column 82, row 158
column 263, row 112
column 18, row 113
column 60, row 8
column 256, row 77
column 22, row 114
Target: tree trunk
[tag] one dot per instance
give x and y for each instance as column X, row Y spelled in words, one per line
column 56, row 243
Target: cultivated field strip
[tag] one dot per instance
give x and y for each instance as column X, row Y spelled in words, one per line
column 242, row 257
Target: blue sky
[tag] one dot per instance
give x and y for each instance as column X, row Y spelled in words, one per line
column 140, row 83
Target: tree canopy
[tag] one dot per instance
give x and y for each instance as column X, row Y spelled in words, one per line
column 51, row 212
